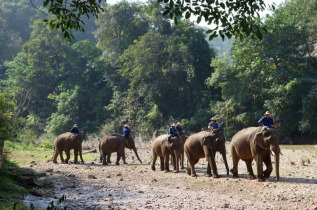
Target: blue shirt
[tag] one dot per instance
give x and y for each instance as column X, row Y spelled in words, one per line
column 172, row 131
column 126, row 132
column 74, row 130
column 214, row 125
column 266, row 121
column 179, row 129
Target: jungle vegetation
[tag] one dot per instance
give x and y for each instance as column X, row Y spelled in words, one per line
column 135, row 66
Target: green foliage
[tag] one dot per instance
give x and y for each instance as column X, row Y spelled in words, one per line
column 275, row 74
column 10, row 192
column 47, row 146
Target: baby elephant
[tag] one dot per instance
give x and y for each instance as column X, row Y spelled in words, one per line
column 66, row 142
column 163, row 149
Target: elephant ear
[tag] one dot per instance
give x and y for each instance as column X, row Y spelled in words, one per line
column 258, row 140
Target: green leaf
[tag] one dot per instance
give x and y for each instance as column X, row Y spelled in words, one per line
column 187, row 15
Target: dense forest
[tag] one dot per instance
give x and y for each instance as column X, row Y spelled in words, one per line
column 134, row 66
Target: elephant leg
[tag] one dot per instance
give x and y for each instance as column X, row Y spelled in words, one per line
column 101, row 157
column 173, row 161
column 108, row 158
column 104, row 160
column 118, row 157
column 67, row 156
column 61, row 156
column 235, row 161
column 55, row 156
column 75, row 156
column 162, row 163
column 166, row 163
column 123, row 157
column 208, row 174
column 153, row 160
column 249, row 168
column 182, row 160
column 269, row 168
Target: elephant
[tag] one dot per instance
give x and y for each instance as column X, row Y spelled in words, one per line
column 256, row 143
column 183, row 138
column 205, row 145
column 163, row 149
column 116, row 143
column 66, row 142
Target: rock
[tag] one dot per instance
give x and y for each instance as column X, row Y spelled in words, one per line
column 43, row 182
column 140, row 191
column 154, row 180
column 91, row 176
column 225, row 206
column 28, row 181
column 108, row 176
column 49, row 170
column 121, row 179
column 33, row 162
column 72, row 175
column 119, row 174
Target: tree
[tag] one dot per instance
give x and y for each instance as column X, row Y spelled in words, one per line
column 230, row 17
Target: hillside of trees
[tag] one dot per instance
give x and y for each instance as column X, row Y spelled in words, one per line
column 134, row 66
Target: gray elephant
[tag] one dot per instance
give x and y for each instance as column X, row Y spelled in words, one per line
column 66, row 142
column 256, row 143
column 205, row 145
column 116, row 143
column 163, row 149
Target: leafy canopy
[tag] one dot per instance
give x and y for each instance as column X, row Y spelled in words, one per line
column 227, row 17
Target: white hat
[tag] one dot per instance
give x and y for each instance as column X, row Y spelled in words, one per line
column 213, row 118
column 178, row 123
column 173, row 125
column 126, row 126
column 267, row 113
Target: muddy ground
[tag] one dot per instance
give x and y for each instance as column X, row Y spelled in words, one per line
column 136, row 186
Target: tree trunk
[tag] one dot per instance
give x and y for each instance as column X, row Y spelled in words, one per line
column 1, row 153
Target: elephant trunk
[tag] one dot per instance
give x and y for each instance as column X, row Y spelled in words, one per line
column 136, row 154
column 226, row 163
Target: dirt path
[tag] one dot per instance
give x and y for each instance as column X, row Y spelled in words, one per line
column 135, row 186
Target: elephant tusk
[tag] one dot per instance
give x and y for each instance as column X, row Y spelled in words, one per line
column 272, row 153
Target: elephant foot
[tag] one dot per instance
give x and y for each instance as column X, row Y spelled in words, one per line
column 208, row 175
column 175, row 171
column 76, row 162
column 117, row 163
column 235, row 176
column 216, row 176
column 153, row 168
column 108, row 161
column 100, row 161
column 104, row 164
column 54, row 161
column 260, row 180
column 125, row 163
column 251, row 177
column 266, row 174
column 194, row 175
column 82, row 162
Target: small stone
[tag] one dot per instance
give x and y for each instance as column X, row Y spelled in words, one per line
column 119, row 174
column 140, row 191
column 49, row 170
column 154, row 180
column 91, row 176
column 108, row 176
column 121, row 179
column 72, row 175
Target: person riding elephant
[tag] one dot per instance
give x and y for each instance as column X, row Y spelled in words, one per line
column 267, row 120
column 116, row 143
column 205, row 145
column 163, row 149
column 172, row 133
column 256, row 143
column 74, row 129
column 66, row 142
column 126, row 131
column 214, row 126
column 179, row 128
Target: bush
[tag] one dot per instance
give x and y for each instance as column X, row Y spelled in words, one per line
column 46, row 146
